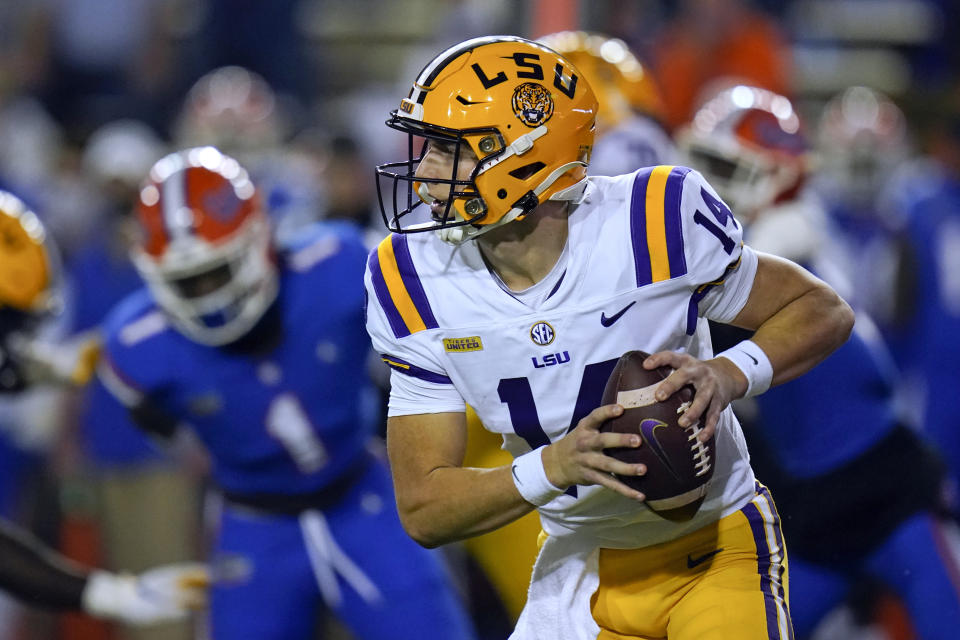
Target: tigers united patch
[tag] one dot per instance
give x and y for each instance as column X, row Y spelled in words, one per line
column 460, row 345
column 532, row 103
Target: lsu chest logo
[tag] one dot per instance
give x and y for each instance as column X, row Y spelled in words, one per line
column 462, row 345
column 551, row 359
column 543, row 334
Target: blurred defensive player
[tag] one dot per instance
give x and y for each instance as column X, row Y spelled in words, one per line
column 237, row 111
column 261, row 350
column 846, row 513
column 535, row 281
column 862, row 146
column 29, row 284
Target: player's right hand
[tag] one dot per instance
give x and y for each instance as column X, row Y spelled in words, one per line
column 578, row 457
column 163, row 594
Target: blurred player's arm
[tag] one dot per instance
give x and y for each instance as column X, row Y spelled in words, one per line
column 145, row 413
column 165, row 431
column 38, row 575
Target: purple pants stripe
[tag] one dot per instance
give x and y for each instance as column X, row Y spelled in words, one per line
column 770, row 556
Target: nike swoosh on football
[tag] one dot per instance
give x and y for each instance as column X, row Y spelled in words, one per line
column 693, row 562
column 648, row 431
column 605, row 321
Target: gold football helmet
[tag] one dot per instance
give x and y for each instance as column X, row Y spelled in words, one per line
column 26, row 266
column 525, row 112
column 29, row 293
column 622, row 83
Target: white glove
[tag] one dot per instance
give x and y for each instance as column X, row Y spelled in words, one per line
column 66, row 362
column 162, row 594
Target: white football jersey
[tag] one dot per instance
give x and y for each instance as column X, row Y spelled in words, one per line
column 649, row 256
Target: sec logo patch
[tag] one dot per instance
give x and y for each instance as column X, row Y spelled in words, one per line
column 542, row 333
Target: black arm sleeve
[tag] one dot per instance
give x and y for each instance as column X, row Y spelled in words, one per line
column 36, row 574
column 152, row 419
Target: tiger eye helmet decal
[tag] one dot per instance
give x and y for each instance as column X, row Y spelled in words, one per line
column 522, row 109
column 532, row 103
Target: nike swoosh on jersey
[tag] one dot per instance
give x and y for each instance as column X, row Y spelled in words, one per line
column 605, row 321
column 694, row 562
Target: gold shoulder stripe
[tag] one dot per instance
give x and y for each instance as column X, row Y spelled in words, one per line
column 656, row 227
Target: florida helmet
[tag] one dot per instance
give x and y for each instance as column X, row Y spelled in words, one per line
column 862, row 138
column 233, row 109
column 205, row 250
column 748, row 143
column 523, row 109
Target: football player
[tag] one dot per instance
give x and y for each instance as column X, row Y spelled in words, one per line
column 927, row 323
column 863, row 146
column 629, row 135
column 536, row 280
column 845, row 514
column 29, row 293
column 630, row 132
column 237, row 111
column 260, row 349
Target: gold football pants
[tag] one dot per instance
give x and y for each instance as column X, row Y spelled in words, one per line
column 726, row 581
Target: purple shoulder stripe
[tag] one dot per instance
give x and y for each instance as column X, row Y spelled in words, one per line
column 399, row 327
column 638, row 227
column 672, row 221
column 408, row 273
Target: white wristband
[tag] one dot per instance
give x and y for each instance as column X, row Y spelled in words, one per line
column 753, row 362
column 531, row 480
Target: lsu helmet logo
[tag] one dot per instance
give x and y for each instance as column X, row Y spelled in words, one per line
column 532, row 103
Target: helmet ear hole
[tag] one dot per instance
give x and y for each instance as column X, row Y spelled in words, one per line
column 527, row 170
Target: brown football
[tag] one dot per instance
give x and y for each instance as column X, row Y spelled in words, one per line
column 679, row 467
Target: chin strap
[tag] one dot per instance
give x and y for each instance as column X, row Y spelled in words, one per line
column 573, row 193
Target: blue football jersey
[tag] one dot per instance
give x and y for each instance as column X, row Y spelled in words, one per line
column 286, row 416
column 925, row 343
column 105, row 279
column 834, row 412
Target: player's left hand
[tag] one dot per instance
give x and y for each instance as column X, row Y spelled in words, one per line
column 68, row 362
column 163, row 594
column 717, row 382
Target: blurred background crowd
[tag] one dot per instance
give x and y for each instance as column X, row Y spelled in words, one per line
column 93, row 92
